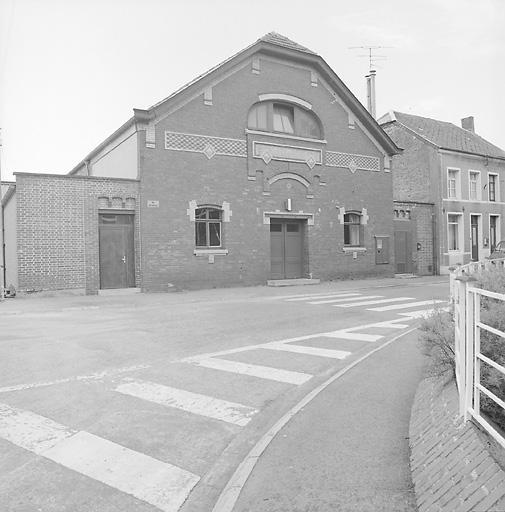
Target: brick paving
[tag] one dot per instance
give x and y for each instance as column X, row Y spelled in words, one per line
column 451, row 468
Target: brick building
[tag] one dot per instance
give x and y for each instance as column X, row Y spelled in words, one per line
column 265, row 167
column 448, row 193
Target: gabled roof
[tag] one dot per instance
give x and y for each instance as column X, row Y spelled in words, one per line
column 445, row 135
column 271, row 44
column 275, row 38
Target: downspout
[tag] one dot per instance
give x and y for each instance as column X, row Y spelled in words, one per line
column 2, row 229
column 437, row 247
column 4, row 270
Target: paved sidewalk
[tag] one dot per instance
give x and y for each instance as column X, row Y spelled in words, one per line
column 65, row 300
column 348, row 449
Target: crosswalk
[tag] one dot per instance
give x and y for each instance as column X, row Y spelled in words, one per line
column 358, row 300
column 158, row 483
column 166, row 484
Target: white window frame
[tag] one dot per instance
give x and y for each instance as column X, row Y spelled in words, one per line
column 457, row 187
column 361, row 233
column 478, row 186
column 461, row 242
column 496, row 187
column 207, row 221
column 498, row 228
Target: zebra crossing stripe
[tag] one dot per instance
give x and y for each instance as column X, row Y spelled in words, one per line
column 345, row 300
column 262, row 372
column 370, row 302
column 194, row 403
column 312, row 351
column 158, row 483
column 301, row 296
column 422, row 313
column 332, row 296
column 405, row 306
column 355, row 336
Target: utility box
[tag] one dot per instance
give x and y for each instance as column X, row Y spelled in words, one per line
column 381, row 250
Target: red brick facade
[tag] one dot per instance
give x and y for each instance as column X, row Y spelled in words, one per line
column 247, row 184
column 196, row 149
column 57, row 228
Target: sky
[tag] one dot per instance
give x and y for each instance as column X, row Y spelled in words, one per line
column 71, row 71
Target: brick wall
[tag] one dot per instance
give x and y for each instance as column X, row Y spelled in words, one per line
column 57, row 235
column 174, row 178
column 421, row 228
column 415, row 170
column 416, row 186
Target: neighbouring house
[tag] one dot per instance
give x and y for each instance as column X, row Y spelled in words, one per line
column 264, row 168
column 8, row 259
column 449, row 198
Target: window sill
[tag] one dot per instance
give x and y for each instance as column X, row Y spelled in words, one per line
column 285, row 136
column 350, row 248
column 209, row 251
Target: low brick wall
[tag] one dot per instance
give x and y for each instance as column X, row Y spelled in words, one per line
column 451, row 468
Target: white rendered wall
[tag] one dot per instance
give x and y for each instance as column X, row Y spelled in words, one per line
column 119, row 162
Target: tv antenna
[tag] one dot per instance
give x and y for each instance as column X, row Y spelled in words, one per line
column 370, row 55
column 370, row 78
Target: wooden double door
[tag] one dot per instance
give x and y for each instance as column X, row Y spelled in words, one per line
column 286, row 248
column 116, row 251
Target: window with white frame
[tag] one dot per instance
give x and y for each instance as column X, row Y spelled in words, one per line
column 492, row 183
column 494, row 231
column 208, row 227
column 453, row 185
column 284, row 118
column 474, row 187
column 353, row 230
column 454, row 231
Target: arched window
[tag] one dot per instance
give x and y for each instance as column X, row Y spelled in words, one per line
column 270, row 116
column 208, row 227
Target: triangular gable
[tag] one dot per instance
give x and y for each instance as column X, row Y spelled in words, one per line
column 273, row 45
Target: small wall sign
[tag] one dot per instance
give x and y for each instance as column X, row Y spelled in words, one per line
column 153, row 204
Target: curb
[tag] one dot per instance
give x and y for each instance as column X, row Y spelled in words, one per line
column 451, row 468
column 231, row 492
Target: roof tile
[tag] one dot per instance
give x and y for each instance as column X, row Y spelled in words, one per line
column 449, row 136
column 280, row 40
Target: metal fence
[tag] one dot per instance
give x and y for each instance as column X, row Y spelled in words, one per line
column 469, row 358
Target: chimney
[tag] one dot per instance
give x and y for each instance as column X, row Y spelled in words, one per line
column 468, row 124
column 370, row 92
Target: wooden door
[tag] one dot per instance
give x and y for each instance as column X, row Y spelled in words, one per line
column 403, row 252
column 286, row 249
column 474, row 227
column 116, row 251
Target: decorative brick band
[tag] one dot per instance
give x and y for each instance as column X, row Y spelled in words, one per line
column 451, row 468
column 207, row 145
column 352, row 162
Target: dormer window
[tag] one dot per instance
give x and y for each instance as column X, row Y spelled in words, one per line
column 269, row 116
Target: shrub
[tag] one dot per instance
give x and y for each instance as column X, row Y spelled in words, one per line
column 491, row 279
column 437, row 338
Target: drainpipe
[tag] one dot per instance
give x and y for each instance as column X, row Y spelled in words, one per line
column 2, row 230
